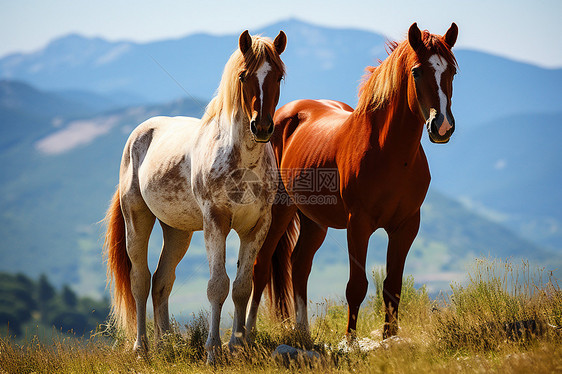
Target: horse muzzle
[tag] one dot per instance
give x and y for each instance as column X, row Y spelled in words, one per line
column 439, row 127
column 262, row 130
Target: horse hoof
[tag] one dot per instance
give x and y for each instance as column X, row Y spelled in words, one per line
column 236, row 343
column 211, row 359
column 351, row 336
column 390, row 330
column 140, row 347
column 214, row 351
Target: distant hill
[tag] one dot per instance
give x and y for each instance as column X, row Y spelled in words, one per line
column 21, row 97
column 321, row 62
column 140, row 70
column 489, row 87
column 510, row 169
column 29, row 113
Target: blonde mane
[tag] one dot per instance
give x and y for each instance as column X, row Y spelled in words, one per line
column 228, row 100
column 381, row 84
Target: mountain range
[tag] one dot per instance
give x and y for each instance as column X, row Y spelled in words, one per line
column 66, row 111
column 488, row 86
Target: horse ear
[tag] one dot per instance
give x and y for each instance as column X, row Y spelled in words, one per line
column 280, row 42
column 414, row 36
column 451, row 35
column 245, row 42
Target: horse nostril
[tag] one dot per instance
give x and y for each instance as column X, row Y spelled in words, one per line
column 271, row 128
column 436, row 122
column 253, row 127
column 433, row 125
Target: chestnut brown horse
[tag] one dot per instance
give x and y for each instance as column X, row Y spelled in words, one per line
column 380, row 175
column 185, row 173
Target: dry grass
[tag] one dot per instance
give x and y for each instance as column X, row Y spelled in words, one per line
column 503, row 320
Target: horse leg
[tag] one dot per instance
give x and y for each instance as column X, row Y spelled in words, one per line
column 175, row 245
column 281, row 216
column 399, row 242
column 216, row 226
column 311, row 237
column 358, row 234
column 139, row 223
column 250, row 243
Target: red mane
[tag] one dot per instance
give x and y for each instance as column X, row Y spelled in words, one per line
column 382, row 83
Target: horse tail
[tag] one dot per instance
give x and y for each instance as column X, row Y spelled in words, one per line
column 123, row 306
column 279, row 290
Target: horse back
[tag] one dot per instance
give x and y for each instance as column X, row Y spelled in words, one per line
column 299, row 111
column 319, row 118
column 143, row 137
column 155, row 170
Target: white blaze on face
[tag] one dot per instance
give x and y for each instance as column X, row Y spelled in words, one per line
column 262, row 72
column 440, row 65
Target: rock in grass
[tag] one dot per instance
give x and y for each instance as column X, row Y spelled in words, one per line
column 367, row 345
column 286, row 353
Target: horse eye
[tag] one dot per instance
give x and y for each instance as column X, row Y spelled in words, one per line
column 416, row 72
column 242, row 76
column 280, row 79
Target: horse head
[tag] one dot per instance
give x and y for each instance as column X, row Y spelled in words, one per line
column 432, row 79
column 260, row 78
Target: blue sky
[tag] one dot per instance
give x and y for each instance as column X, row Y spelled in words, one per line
column 522, row 30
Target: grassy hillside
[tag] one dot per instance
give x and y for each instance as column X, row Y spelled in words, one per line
column 505, row 320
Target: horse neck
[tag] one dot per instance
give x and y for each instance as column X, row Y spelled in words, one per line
column 235, row 133
column 394, row 127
